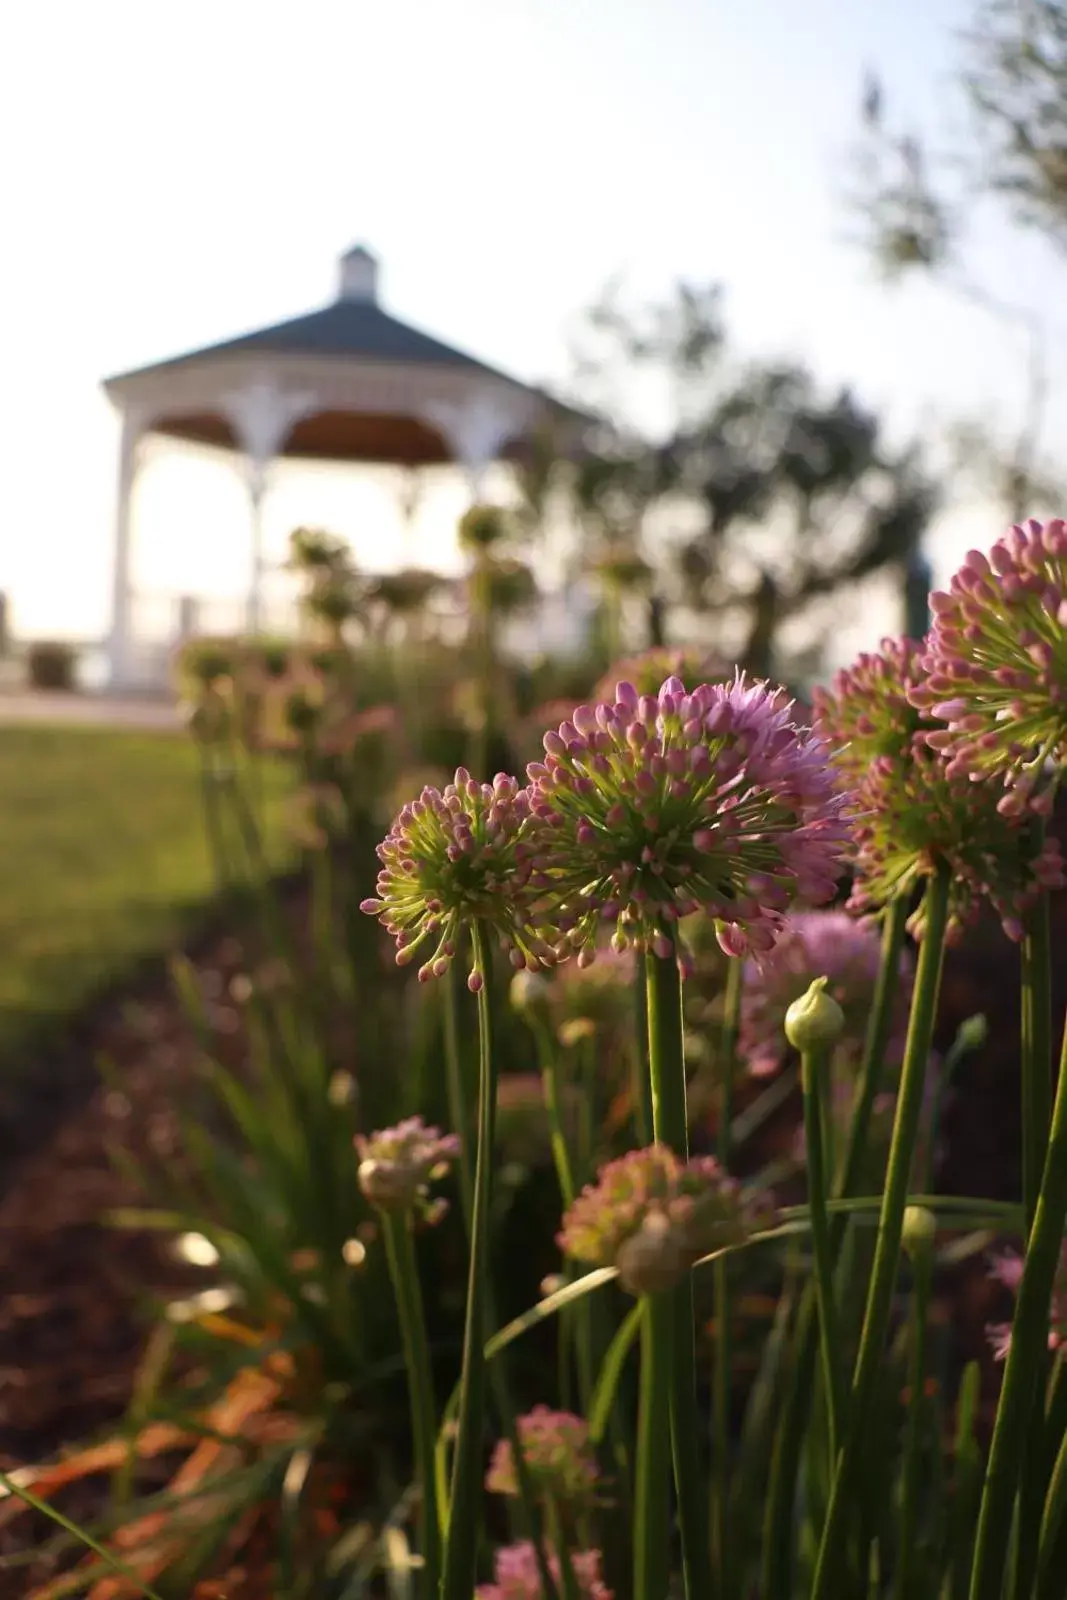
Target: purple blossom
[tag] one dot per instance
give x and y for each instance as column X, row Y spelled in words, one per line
column 914, row 810
column 557, row 1453
column 653, row 1215
column 454, row 857
column 653, row 807
column 516, row 1575
column 396, row 1164
column 996, row 666
column 814, row 944
column 1007, row 1269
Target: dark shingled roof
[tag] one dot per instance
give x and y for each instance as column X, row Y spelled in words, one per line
column 345, row 328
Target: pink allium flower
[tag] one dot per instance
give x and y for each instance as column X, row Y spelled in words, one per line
column 817, row 944
column 647, row 671
column 655, row 807
column 914, row 812
column 454, row 857
column 997, row 666
column 516, row 1575
column 396, row 1164
column 653, row 1215
column 560, row 1461
column 1008, row 1270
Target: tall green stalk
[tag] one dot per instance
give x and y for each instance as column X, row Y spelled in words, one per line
column 461, row 1546
column 815, row 1086
column 776, row 1582
column 1036, row 1056
column 865, row 1378
column 1036, row 1087
column 458, row 1103
column 723, row 1372
column 653, row 1511
column 403, row 1268
column 904, row 1586
column 672, row 1340
column 1026, row 1357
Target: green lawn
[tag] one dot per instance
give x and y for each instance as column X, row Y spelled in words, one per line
column 103, row 860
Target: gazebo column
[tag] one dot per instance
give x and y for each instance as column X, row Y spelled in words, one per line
column 262, row 416
column 120, row 629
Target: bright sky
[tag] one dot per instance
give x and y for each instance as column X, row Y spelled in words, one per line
column 178, row 175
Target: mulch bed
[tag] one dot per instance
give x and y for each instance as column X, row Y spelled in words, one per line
column 77, row 1295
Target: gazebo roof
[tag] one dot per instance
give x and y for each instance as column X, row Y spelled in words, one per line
column 348, row 327
column 376, row 387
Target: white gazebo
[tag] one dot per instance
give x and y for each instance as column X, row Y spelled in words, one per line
column 348, row 383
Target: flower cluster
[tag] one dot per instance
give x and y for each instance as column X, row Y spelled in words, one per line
column 647, row 671
column 1008, row 1270
column 914, row 810
column 813, row 944
column 557, row 1454
column 652, row 807
column 996, row 665
column 456, row 856
column 652, row 1216
column 516, row 1575
column 396, row 1164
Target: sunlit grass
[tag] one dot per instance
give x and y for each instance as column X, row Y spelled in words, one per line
column 103, row 861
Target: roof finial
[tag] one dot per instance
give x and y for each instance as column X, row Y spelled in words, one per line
column 358, row 275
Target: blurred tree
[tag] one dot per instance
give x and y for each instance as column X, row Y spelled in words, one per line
column 1013, row 76
column 767, row 495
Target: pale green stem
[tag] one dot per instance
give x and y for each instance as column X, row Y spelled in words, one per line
column 815, row 1087
column 1026, row 1358
column 869, row 1361
column 723, row 1373
column 403, row 1268
column 666, row 1060
column 464, row 1522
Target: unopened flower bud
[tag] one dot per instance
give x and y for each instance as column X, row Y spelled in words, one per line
column 389, row 1186
column 973, row 1032
column 815, row 1021
column 651, row 1260
column 528, row 992
column 919, row 1230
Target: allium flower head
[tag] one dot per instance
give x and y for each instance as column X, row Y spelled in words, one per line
column 647, row 671
column 516, row 1575
column 1008, row 1270
column 816, row 943
column 557, row 1453
column 397, row 1164
column 453, row 857
column 915, row 810
column 653, row 807
column 652, row 1215
column 996, row 665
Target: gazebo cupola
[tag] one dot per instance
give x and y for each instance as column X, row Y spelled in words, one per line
column 348, row 383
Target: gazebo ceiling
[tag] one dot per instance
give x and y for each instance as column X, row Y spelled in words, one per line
column 338, row 436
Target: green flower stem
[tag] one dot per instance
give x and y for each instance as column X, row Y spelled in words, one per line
column 552, row 1089
column 814, row 1079
column 561, row 1545
column 459, row 1111
column 1036, row 1085
column 778, row 1523
column 458, row 1100
column 1036, row 1050
column 723, row 1373
column 1054, row 1516
column 905, row 1586
column 666, row 1060
column 1026, row 1358
column 403, row 1268
column 642, row 1088
column 464, row 1522
column 869, row 1361
column 653, row 1511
